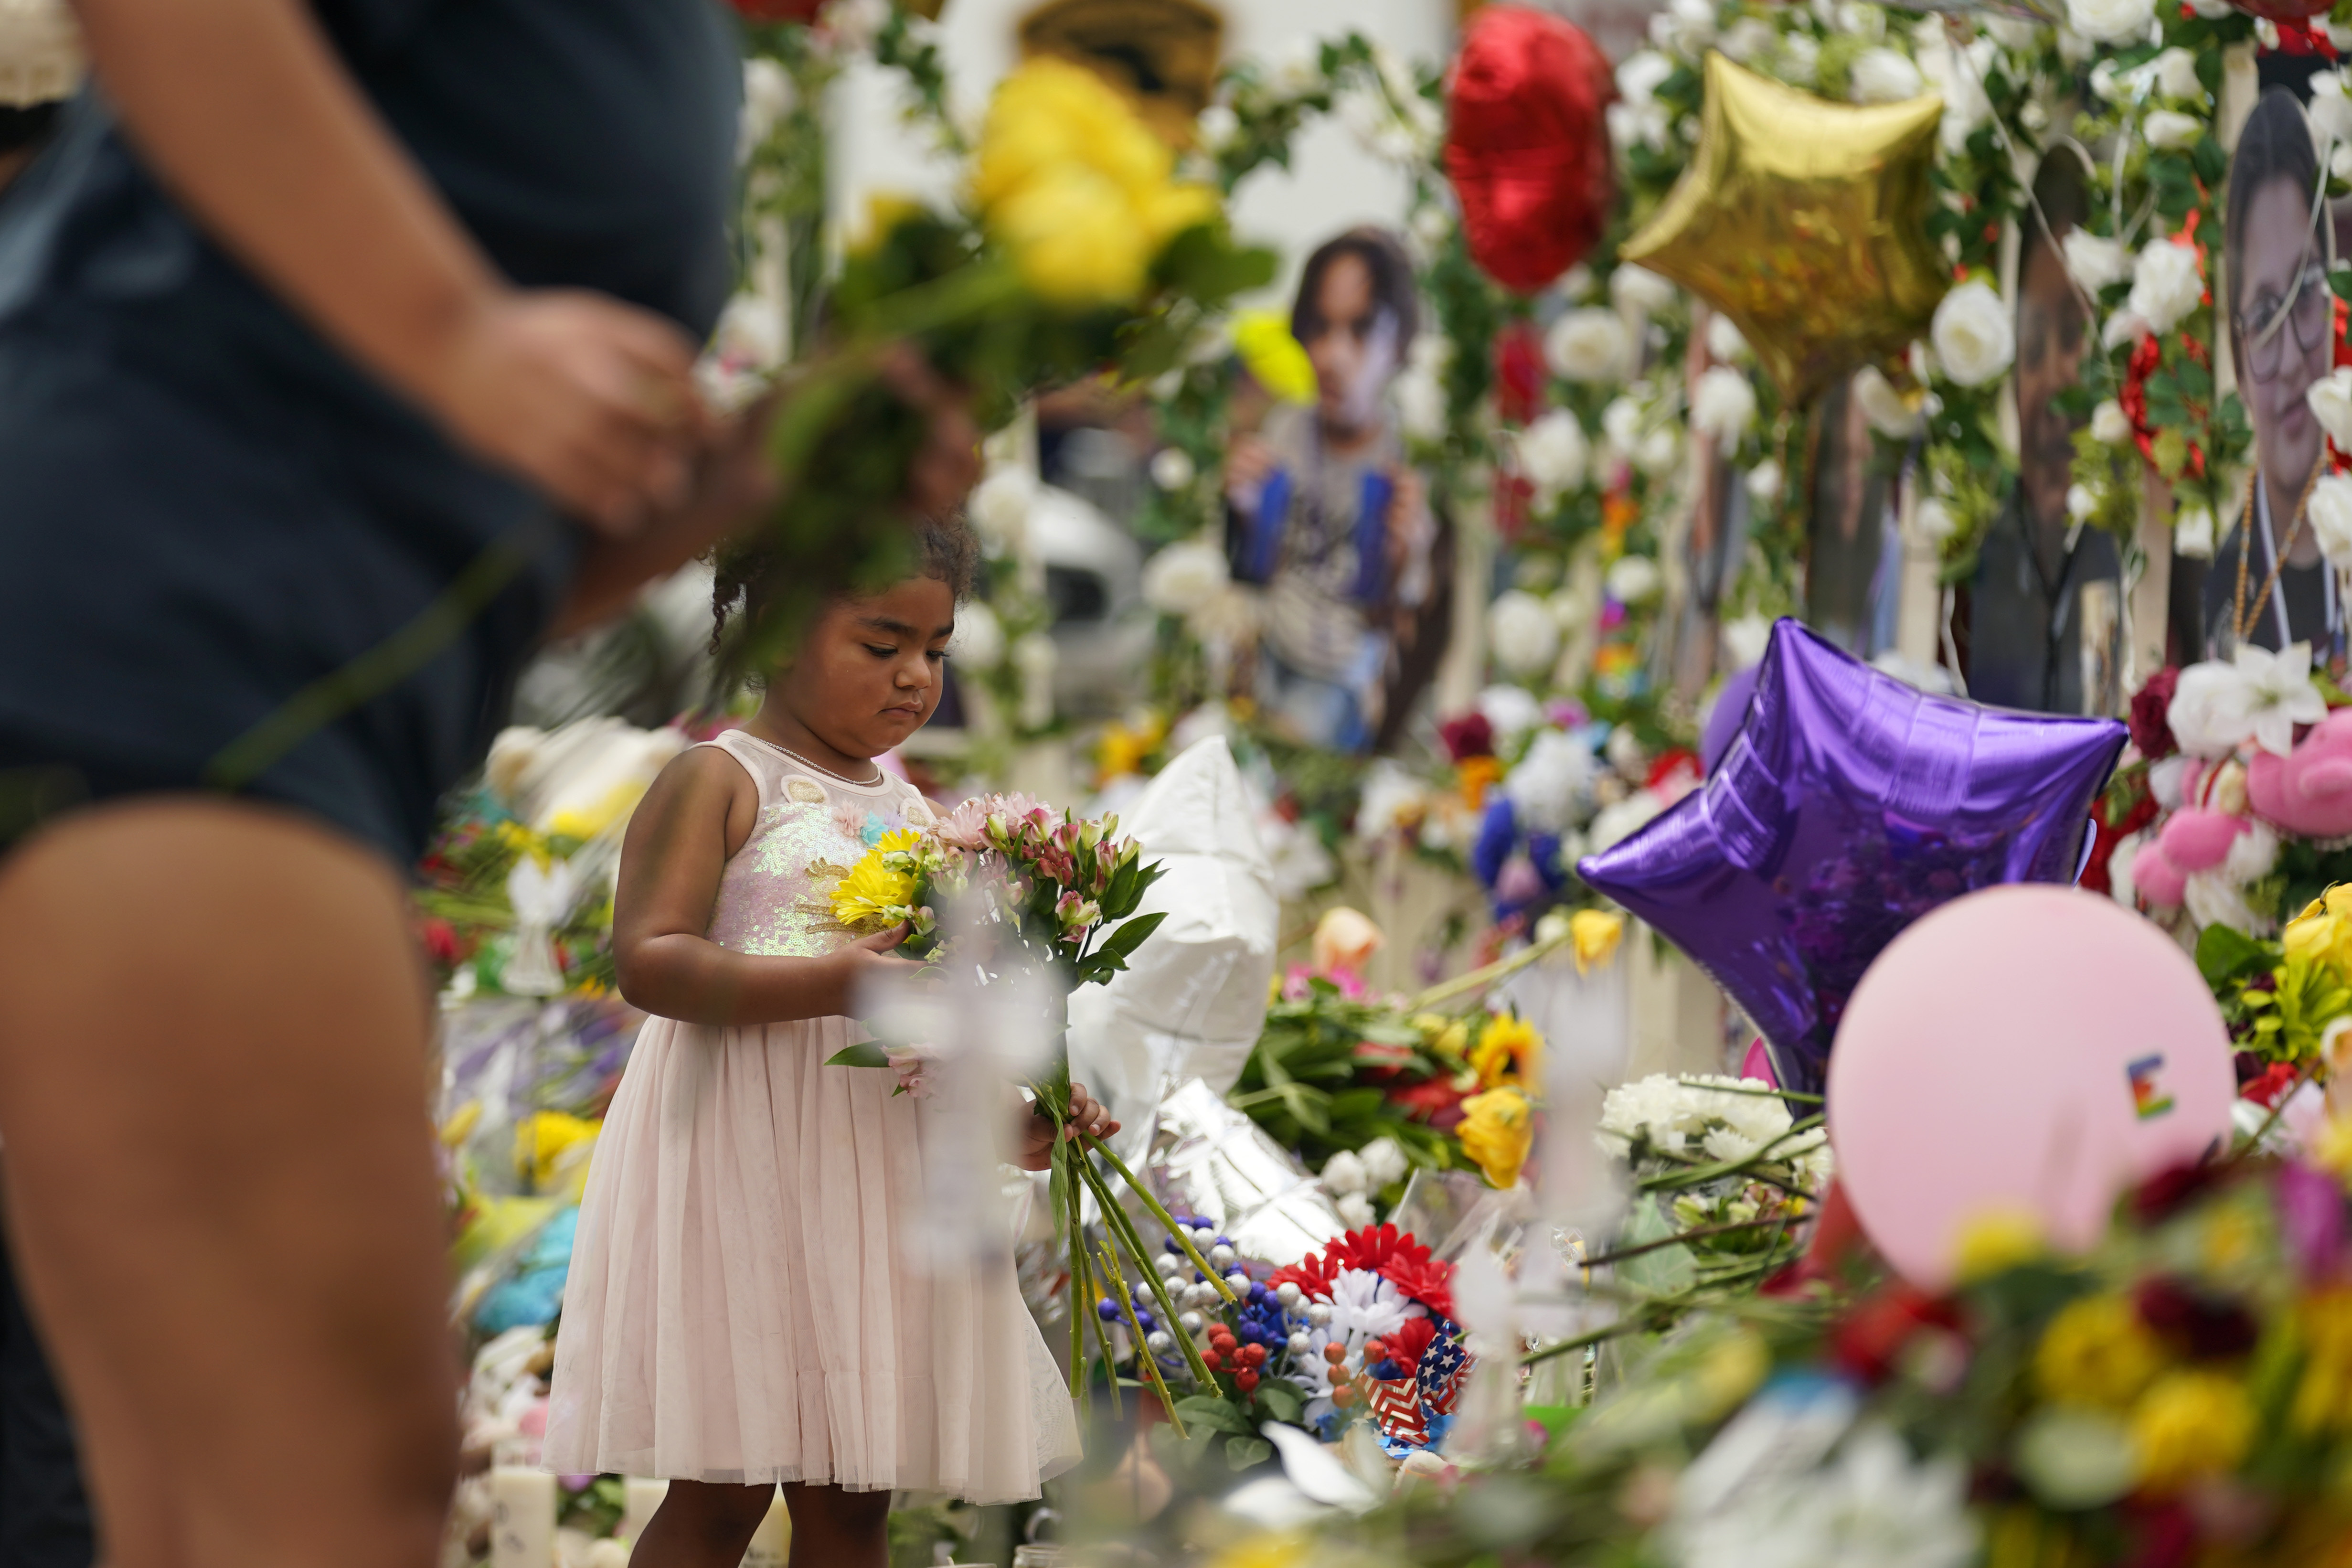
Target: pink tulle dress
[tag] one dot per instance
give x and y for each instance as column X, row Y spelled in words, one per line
column 743, row 1303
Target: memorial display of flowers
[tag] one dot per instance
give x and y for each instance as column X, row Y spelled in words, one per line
column 1725, row 1178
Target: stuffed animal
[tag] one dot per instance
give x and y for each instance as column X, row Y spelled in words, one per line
column 2308, row 791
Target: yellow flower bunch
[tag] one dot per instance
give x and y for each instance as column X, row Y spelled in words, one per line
column 1510, row 1051
column 2191, row 1424
column 2322, row 1399
column 2097, row 1352
column 1997, row 1240
column 2322, row 934
column 1074, row 183
column 1447, row 1039
column 1275, row 360
column 876, row 893
column 1497, row 1130
column 1594, row 935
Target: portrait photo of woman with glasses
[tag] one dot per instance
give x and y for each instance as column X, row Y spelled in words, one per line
column 2276, row 590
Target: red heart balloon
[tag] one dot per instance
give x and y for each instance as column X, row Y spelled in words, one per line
column 1526, row 146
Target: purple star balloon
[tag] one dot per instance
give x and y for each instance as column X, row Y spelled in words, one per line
column 1848, row 805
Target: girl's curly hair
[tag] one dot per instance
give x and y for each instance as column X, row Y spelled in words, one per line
column 745, row 576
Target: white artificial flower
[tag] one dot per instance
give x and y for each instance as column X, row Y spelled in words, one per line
column 1344, row 1173
column 2171, row 130
column 1764, row 482
column 1748, row 39
column 1384, row 1163
column 1958, row 76
column 2034, row 116
column 1553, row 453
column 2110, row 423
column 1553, row 783
column 1659, row 450
column 2095, row 260
column 2254, row 854
column 2211, row 712
column 768, row 97
column 1639, row 79
column 2166, row 285
column 1974, row 339
column 1870, row 1506
column 1355, row 1210
column 2212, row 899
column 1622, row 821
column 2122, row 327
column 1589, row 345
column 2331, row 399
column 1218, row 126
column 1723, row 343
column 1364, row 1306
column 1512, row 710
column 2176, row 76
column 1744, row 640
column 2082, row 504
column 2330, row 512
column 979, row 641
column 2281, row 694
column 1390, row 797
column 1639, row 288
column 1685, row 26
column 1634, row 580
column 1934, row 520
column 1184, row 576
column 1521, row 632
column 1172, row 467
column 1798, row 60
column 1635, row 125
column 999, row 507
column 2192, row 534
column 1621, row 425
column 1723, row 405
column 1421, row 404
column 1882, row 76
column 2111, row 21
column 1888, row 412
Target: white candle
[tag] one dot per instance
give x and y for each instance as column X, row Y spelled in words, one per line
column 643, row 1497
column 771, row 1544
column 522, row 1518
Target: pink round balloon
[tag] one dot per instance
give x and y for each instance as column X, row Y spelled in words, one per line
column 2024, row 1047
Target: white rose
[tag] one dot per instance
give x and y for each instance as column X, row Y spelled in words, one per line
column 1747, row 39
column 1553, row 453
column 2172, row 130
column 2107, row 83
column 1522, row 633
column 1687, row 27
column 1634, row 580
column 1934, row 520
column 1659, row 451
column 2176, row 76
column 2192, row 534
column 2331, row 519
column 1799, row 61
column 1589, row 345
column 1421, row 404
column 1639, row 288
column 1972, row 335
column 1511, row 709
column 1637, row 125
column 1621, row 425
column 1172, row 467
column 2212, row 710
column 2331, row 400
column 1723, row 339
column 1882, row 76
column 979, row 641
column 1764, row 482
column 2111, row 21
column 768, row 97
column 1639, row 79
column 1887, row 410
column 1744, row 640
column 2074, row 49
column 2081, row 503
column 1343, row 1173
column 2095, row 261
column 2110, row 423
column 2166, row 285
column 999, row 507
column 1183, row 577
column 1724, row 405
column 1218, row 126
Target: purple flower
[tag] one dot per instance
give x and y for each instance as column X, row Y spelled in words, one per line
column 2311, row 1214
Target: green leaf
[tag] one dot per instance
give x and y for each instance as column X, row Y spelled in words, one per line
column 1241, row 1453
column 863, row 1054
column 1129, row 936
column 1282, row 1400
column 2223, row 955
column 1200, row 1409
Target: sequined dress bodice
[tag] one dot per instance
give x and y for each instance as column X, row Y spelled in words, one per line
column 775, row 897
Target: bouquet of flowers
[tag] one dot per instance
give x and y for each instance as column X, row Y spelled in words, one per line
column 1357, row 1331
column 1724, row 1174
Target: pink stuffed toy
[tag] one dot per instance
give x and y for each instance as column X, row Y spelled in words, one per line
column 2158, row 880
column 2194, row 838
column 2308, row 791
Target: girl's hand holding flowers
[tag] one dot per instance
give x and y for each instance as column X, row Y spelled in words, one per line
column 1086, row 1116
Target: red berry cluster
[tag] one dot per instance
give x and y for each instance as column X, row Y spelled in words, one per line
column 1227, row 1354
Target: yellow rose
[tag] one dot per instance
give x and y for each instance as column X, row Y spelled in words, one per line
column 2191, row 1424
column 874, row 896
column 1595, row 936
column 1509, row 1050
column 1074, row 236
column 1496, row 1131
column 1275, row 360
column 2097, row 1352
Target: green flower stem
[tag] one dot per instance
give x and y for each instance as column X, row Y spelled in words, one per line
column 1479, row 979
column 1700, row 1175
column 1077, row 1294
column 1114, row 1219
column 1729, row 1227
column 1143, row 1356
column 1801, row 1098
column 1182, row 1233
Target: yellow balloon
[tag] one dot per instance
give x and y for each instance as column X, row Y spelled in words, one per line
column 1806, row 223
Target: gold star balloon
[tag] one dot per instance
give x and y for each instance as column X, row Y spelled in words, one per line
column 1806, row 223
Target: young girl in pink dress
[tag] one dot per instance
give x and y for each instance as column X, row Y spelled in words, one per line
column 742, row 1310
